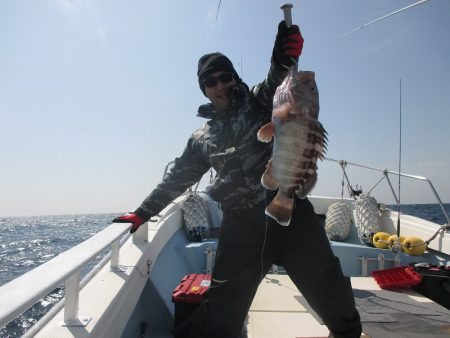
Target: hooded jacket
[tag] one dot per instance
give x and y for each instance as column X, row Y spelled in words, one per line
column 227, row 143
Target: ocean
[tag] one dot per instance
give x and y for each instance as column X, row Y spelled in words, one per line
column 26, row 242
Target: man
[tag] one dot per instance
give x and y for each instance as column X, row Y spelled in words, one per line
column 249, row 242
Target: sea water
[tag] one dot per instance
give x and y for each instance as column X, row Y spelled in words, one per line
column 26, row 242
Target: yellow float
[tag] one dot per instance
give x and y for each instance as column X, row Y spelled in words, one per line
column 380, row 240
column 394, row 239
column 414, row 246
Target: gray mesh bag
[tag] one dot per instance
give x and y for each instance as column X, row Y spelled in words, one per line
column 196, row 220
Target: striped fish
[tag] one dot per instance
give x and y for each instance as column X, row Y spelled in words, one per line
column 299, row 142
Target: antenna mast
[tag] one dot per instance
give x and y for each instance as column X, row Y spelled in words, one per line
column 399, row 162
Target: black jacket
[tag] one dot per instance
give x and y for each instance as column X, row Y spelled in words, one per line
column 227, row 143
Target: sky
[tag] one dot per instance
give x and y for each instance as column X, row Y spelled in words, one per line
column 97, row 96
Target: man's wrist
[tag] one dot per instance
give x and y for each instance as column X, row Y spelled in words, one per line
column 145, row 215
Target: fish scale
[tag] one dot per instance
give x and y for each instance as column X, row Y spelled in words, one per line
column 299, row 142
column 291, row 165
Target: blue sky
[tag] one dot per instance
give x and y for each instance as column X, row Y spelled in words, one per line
column 97, row 96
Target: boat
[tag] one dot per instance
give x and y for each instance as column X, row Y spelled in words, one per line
column 130, row 292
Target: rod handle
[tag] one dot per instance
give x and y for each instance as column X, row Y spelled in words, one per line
column 287, row 13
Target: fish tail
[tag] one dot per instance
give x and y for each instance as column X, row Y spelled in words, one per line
column 280, row 209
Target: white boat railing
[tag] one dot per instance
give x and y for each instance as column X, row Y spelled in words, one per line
column 385, row 172
column 22, row 293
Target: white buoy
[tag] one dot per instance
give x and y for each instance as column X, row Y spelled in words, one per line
column 367, row 218
column 337, row 222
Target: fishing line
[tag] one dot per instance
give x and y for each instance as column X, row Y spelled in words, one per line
column 264, row 240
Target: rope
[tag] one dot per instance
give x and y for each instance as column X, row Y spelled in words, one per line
column 376, row 184
column 441, row 229
column 211, row 178
column 417, row 244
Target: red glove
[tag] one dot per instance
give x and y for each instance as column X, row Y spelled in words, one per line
column 293, row 42
column 130, row 218
column 288, row 45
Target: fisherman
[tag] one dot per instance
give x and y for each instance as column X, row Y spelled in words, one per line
column 249, row 241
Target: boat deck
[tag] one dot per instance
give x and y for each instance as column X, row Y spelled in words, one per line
column 279, row 310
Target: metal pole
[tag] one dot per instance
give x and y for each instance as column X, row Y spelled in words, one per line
column 72, row 288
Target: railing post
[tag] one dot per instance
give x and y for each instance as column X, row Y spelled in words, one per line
column 439, row 200
column 364, row 266
column 72, row 292
column 385, row 173
column 115, row 247
column 141, row 234
column 380, row 262
column 210, row 256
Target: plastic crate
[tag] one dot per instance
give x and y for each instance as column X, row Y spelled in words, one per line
column 187, row 297
column 401, row 277
column 191, row 289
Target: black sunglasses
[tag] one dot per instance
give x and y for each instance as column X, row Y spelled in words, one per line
column 211, row 81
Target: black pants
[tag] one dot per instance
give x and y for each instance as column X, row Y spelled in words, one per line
column 249, row 243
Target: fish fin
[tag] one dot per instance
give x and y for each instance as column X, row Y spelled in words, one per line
column 307, row 186
column 324, row 134
column 268, row 180
column 321, row 138
column 280, row 209
column 282, row 111
column 265, row 134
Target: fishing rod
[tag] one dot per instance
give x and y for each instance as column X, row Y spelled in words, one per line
column 218, row 7
column 384, row 17
column 287, row 14
column 286, row 8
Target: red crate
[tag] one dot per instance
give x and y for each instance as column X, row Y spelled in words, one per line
column 187, row 297
column 191, row 289
column 401, row 277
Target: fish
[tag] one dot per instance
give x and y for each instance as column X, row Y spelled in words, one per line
column 299, row 141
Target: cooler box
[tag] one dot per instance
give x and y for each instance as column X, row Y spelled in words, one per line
column 187, row 297
column 435, row 284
